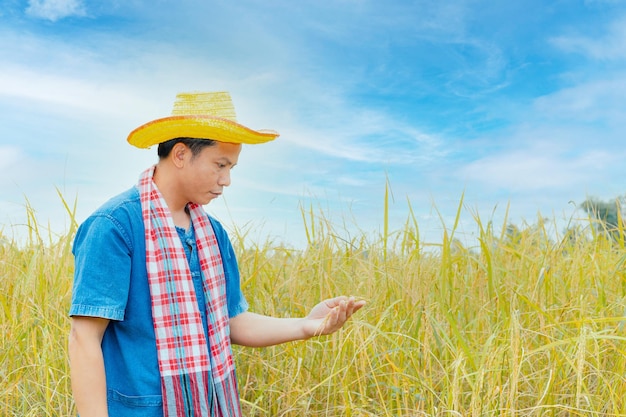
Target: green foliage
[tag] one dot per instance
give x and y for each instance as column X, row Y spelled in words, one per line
column 522, row 325
column 608, row 216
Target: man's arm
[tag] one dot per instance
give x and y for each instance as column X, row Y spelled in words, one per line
column 256, row 330
column 87, row 365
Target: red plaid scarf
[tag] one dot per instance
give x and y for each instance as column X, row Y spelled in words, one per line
column 188, row 367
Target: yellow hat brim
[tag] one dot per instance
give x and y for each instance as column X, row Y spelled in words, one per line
column 198, row 127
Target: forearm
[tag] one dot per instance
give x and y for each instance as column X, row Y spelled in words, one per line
column 88, row 377
column 328, row 316
column 255, row 330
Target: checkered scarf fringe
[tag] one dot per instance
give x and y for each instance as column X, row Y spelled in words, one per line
column 188, row 368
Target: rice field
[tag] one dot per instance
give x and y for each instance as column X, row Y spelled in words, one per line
column 522, row 324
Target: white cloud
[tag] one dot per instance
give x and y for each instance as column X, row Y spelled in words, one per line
column 54, row 10
column 538, row 168
column 345, row 131
column 65, row 93
column 611, row 46
column 597, row 100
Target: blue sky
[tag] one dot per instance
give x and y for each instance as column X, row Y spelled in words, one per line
column 518, row 107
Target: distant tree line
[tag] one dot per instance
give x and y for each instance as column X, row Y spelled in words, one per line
column 608, row 216
column 606, row 221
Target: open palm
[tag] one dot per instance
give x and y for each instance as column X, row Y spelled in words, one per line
column 330, row 315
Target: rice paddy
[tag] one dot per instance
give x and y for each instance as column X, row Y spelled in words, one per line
column 522, row 324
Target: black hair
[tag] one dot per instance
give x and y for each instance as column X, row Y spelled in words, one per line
column 194, row 145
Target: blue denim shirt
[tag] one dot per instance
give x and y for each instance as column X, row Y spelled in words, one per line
column 111, row 282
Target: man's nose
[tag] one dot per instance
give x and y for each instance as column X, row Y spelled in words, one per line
column 225, row 179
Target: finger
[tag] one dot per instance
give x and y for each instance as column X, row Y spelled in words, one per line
column 334, row 302
column 349, row 304
column 358, row 305
column 342, row 312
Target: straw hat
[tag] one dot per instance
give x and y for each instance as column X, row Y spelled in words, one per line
column 200, row 116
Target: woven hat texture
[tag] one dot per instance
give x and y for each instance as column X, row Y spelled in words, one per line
column 202, row 116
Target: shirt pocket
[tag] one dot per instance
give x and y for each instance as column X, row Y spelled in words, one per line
column 128, row 405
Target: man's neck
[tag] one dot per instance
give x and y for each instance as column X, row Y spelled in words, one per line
column 169, row 191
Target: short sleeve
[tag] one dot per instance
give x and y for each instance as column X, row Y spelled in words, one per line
column 102, row 268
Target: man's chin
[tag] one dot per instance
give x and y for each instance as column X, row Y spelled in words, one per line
column 208, row 199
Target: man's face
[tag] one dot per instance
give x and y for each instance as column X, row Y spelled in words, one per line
column 206, row 174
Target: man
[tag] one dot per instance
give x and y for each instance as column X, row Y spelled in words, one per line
column 156, row 300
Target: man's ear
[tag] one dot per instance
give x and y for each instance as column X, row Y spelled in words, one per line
column 179, row 153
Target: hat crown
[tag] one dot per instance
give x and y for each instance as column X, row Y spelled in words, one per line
column 215, row 104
